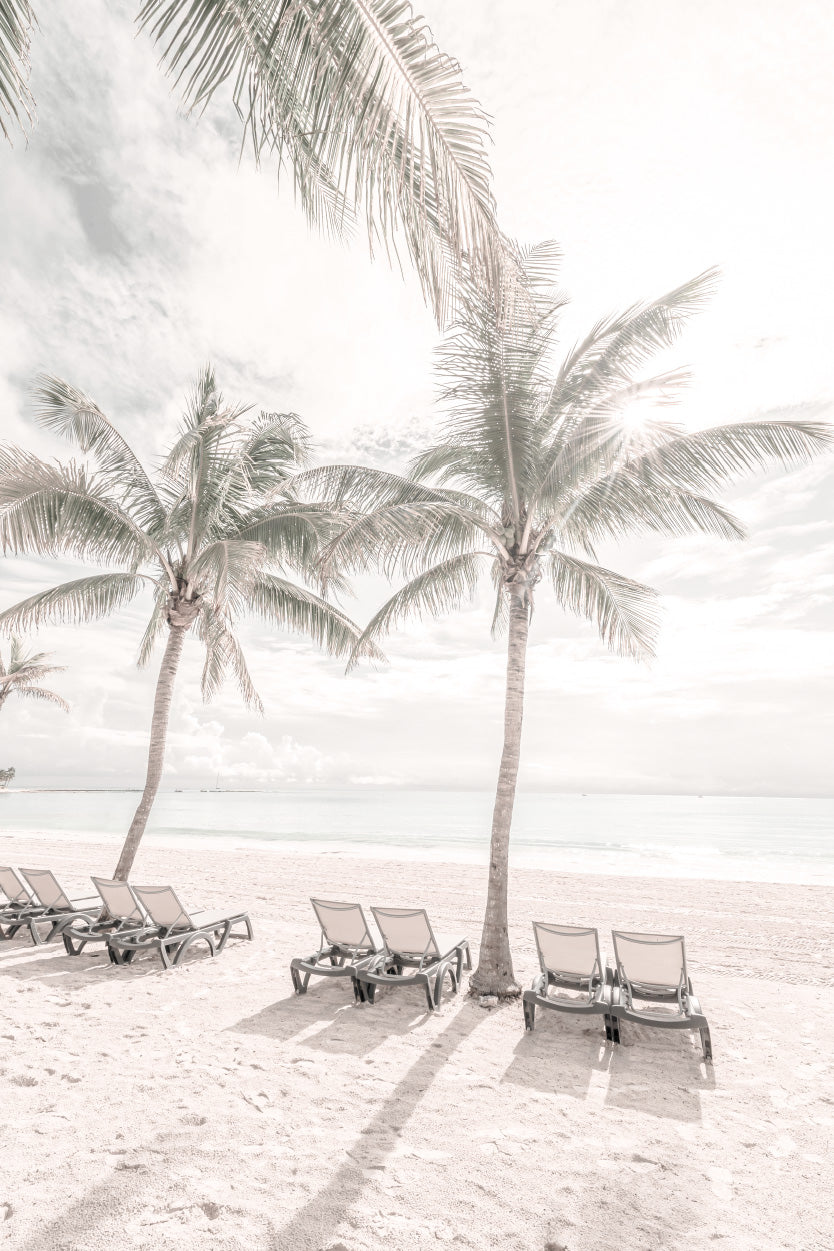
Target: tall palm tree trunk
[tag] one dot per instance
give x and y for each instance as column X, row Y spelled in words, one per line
column 494, row 974
column 156, row 751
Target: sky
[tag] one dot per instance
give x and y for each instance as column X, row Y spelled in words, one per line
column 652, row 142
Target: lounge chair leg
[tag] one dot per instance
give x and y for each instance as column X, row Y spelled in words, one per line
column 706, row 1043
column 429, row 995
column 529, row 1016
column 358, row 991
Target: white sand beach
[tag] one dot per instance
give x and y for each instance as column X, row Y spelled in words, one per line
column 207, row 1107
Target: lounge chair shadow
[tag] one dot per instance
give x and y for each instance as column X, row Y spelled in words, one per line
column 344, row 1028
column 319, row 1219
column 663, row 1077
column 560, row 1055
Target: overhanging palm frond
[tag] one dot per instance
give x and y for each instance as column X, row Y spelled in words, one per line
column 225, row 571
column 622, row 504
column 295, row 608
column 154, row 630
column 357, row 98
column 17, row 19
column 73, row 415
column 84, row 599
column 626, row 612
column 443, row 588
column 40, row 693
column 405, row 536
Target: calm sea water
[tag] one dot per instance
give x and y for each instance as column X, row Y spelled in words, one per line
column 777, row 840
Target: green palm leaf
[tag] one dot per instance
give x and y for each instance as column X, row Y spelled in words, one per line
column 84, row 599
column 17, row 18
column 626, row 612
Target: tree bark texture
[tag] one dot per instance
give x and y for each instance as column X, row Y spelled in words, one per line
column 156, row 750
column 494, row 974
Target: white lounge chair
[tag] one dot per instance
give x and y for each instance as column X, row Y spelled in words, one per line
column 121, row 912
column 346, row 942
column 410, row 943
column 20, row 902
column 171, row 930
column 571, row 963
column 652, row 968
column 53, row 905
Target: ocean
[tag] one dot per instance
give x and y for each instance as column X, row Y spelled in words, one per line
column 729, row 838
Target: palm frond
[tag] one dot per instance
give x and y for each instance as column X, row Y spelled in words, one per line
column 624, row 503
column 39, row 692
column 358, row 100
column 224, row 653
column 84, row 599
column 712, row 457
column 295, row 608
column 404, row 537
column 17, row 18
column 154, row 629
column 438, row 590
column 625, row 612
column 73, row 415
column 60, row 509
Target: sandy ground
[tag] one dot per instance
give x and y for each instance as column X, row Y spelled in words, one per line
column 207, row 1107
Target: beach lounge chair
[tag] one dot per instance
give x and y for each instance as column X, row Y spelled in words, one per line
column 345, row 942
column 652, row 968
column 410, row 943
column 19, row 900
column 52, row 904
column 570, row 962
column 171, row 930
column 120, row 912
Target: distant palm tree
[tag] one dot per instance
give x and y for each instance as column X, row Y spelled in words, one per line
column 211, row 536
column 353, row 95
column 23, row 671
column 535, row 465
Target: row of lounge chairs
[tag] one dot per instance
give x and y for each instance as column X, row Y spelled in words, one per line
column 649, row 968
column 127, row 918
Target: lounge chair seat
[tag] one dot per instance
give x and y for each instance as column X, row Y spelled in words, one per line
column 652, row 968
column 52, row 905
column 410, row 943
column 346, row 942
column 571, row 963
column 172, row 931
column 120, row 913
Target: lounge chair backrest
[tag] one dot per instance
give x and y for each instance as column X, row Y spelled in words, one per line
column 46, row 890
column 162, row 906
column 568, row 949
column 119, row 900
column 656, row 960
column 406, row 931
column 12, row 887
column 343, row 924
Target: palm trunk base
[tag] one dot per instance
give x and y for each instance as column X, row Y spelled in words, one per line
column 494, row 977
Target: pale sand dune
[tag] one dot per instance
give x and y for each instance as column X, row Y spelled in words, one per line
column 209, row 1108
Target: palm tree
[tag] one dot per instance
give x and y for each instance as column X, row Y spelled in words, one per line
column 23, row 671
column 353, row 96
column 212, row 537
column 536, row 466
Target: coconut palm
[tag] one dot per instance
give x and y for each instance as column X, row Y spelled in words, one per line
column 352, row 96
column 23, row 671
column 211, row 535
column 536, row 466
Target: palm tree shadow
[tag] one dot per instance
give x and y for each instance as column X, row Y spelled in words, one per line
column 326, row 1210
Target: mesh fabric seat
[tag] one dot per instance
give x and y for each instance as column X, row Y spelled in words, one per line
column 172, row 931
column 409, row 942
column 346, row 942
column 120, row 912
column 51, row 905
column 571, row 966
column 652, row 968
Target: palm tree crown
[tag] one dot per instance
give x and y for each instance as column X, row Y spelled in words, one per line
column 213, row 536
column 23, row 671
column 537, row 464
